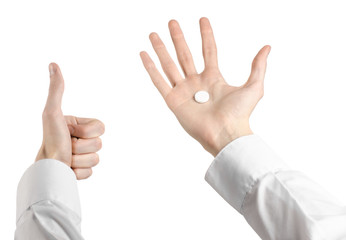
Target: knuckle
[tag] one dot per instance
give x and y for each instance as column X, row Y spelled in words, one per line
column 102, row 127
column 178, row 37
column 89, row 172
column 74, row 140
column 83, row 173
column 194, row 77
column 73, row 160
column 95, row 159
column 98, row 143
column 168, row 65
column 212, row 70
column 77, row 173
column 81, row 176
column 83, row 131
column 185, row 57
column 75, row 144
column 68, row 116
column 209, row 50
column 97, row 126
column 51, row 113
column 150, row 66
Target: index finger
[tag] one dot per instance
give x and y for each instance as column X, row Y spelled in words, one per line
column 85, row 127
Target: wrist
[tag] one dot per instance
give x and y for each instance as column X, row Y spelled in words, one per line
column 44, row 154
column 227, row 135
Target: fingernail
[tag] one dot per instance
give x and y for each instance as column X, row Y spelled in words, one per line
column 71, row 129
column 52, row 69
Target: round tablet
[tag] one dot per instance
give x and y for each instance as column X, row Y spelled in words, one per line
column 201, row 96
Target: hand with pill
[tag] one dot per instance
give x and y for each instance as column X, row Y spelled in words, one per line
column 71, row 140
column 209, row 109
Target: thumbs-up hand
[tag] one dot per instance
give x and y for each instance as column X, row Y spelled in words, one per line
column 71, row 140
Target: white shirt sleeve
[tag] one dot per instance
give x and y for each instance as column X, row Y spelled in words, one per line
column 277, row 202
column 48, row 204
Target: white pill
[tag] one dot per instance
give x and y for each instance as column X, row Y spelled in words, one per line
column 201, row 96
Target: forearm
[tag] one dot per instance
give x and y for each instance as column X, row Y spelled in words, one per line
column 48, row 204
column 277, row 202
column 288, row 204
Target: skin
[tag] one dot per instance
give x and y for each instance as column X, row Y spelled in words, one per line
column 71, row 140
column 225, row 117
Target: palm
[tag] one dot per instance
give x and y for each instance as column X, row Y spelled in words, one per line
column 227, row 107
column 203, row 121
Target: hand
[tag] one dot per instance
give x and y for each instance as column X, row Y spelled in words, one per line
column 71, row 140
column 225, row 116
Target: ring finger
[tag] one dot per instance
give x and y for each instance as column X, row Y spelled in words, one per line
column 85, row 160
column 166, row 61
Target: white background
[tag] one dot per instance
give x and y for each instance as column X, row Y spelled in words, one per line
column 150, row 181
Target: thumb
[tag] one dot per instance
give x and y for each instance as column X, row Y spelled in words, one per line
column 259, row 65
column 56, row 88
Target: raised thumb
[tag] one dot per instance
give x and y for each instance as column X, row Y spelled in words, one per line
column 259, row 65
column 56, row 88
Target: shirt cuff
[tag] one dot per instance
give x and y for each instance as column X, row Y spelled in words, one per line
column 48, row 179
column 239, row 165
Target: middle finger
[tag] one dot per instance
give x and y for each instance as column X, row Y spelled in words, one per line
column 183, row 51
column 90, row 145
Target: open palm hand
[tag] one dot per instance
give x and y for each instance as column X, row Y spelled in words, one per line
column 225, row 116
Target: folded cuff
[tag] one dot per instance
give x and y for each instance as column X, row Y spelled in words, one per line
column 48, row 179
column 239, row 166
